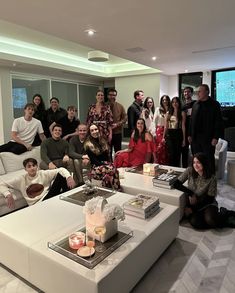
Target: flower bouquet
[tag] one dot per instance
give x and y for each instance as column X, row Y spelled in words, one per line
column 100, row 213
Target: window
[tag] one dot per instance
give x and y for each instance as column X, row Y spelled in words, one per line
column 223, row 86
column 23, row 90
column 193, row 80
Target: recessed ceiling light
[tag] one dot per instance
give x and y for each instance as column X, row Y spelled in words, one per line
column 14, row 64
column 90, row 32
column 154, row 58
column 186, row 71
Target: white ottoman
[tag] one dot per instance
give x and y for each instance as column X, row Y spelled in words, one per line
column 231, row 172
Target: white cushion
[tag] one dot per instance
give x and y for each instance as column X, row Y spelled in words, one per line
column 2, row 170
column 12, row 162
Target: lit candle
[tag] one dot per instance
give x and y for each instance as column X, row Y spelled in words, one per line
column 76, row 240
column 146, row 169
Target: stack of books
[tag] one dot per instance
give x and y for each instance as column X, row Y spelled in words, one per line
column 165, row 180
column 142, row 206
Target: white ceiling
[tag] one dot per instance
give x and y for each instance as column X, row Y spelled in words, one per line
column 188, row 35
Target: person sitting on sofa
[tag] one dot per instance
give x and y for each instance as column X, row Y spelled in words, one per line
column 55, row 153
column 37, row 185
column 140, row 149
column 97, row 148
column 23, row 132
column 77, row 151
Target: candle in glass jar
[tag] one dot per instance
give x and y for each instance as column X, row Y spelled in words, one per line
column 146, row 169
column 76, row 240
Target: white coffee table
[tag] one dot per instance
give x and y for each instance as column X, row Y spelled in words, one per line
column 134, row 183
column 24, row 236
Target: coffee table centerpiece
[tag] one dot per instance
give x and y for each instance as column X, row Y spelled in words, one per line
column 102, row 218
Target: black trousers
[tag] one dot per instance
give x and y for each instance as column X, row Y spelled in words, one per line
column 58, row 186
column 185, row 156
column 13, row 147
column 174, row 139
column 116, row 143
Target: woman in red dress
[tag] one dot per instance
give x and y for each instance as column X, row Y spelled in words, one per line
column 140, row 150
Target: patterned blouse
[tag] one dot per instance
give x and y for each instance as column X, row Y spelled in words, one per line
column 200, row 185
column 102, row 120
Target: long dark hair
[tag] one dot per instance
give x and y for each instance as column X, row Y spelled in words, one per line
column 146, row 104
column 136, row 132
column 41, row 106
column 202, row 158
column 100, row 143
column 179, row 110
column 162, row 110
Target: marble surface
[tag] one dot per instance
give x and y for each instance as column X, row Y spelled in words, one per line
column 197, row 261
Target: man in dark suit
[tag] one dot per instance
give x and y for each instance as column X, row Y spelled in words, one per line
column 206, row 125
column 135, row 110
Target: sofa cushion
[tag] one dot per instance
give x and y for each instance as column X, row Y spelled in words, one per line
column 20, row 202
column 12, row 162
column 2, row 170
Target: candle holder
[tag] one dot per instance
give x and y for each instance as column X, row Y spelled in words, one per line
column 77, row 240
column 146, row 169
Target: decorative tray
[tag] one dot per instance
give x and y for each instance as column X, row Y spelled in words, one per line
column 81, row 196
column 158, row 171
column 62, row 247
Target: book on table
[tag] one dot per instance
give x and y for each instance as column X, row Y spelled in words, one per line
column 144, row 216
column 157, row 184
column 141, row 203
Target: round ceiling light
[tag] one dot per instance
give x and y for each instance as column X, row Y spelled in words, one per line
column 98, row 56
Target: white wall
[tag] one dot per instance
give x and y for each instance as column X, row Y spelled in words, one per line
column 6, row 108
column 126, row 86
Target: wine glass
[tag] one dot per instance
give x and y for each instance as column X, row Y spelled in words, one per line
column 100, row 231
column 90, row 242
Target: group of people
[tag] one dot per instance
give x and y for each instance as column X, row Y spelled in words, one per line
column 160, row 135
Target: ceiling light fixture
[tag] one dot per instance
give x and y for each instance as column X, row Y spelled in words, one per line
column 98, row 56
column 90, row 32
column 154, row 58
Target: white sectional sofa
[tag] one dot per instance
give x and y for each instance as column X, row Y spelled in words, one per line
column 12, row 165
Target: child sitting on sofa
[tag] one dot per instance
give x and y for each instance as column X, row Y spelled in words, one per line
column 37, row 185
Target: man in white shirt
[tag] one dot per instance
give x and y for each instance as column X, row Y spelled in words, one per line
column 23, row 132
column 36, row 185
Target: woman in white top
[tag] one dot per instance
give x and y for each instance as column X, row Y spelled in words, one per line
column 159, row 120
column 148, row 115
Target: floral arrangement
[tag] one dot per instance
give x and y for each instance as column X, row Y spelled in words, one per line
column 110, row 211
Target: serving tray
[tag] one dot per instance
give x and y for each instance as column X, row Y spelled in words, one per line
column 63, row 248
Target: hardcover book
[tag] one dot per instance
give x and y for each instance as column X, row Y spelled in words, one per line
column 144, row 216
column 141, row 203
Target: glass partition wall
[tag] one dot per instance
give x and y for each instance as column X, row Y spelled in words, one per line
column 68, row 93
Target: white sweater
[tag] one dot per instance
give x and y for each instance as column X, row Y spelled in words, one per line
column 22, row 182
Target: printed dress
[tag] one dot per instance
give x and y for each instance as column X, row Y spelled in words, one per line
column 102, row 120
